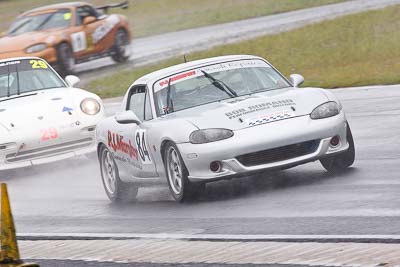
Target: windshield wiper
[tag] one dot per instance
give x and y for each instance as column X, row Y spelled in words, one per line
column 220, row 85
column 169, row 100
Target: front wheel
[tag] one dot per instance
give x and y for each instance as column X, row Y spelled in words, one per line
column 342, row 161
column 177, row 175
column 65, row 59
column 121, row 46
column 116, row 190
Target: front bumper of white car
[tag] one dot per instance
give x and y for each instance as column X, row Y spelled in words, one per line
column 277, row 145
column 70, row 143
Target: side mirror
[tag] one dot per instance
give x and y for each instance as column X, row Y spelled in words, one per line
column 296, row 79
column 72, row 80
column 127, row 117
column 88, row 20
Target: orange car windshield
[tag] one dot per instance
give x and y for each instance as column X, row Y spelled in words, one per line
column 45, row 21
column 25, row 76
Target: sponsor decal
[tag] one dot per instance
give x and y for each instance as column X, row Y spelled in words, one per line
column 178, row 77
column 117, row 143
column 235, row 65
column 67, row 109
column 275, row 116
column 9, row 63
column 258, row 107
column 101, row 31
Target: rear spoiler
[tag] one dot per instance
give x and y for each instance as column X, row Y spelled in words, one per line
column 123, row 5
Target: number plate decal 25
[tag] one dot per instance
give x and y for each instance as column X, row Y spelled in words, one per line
column 141, row 144
column 48, row 134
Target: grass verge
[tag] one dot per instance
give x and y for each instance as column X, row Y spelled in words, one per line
column 355, row 50
column 159, row 16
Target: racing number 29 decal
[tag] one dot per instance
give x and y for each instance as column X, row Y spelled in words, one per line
column 38, row 64
column 140, row 139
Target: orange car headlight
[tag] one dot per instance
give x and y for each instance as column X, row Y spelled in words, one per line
column 36, row 48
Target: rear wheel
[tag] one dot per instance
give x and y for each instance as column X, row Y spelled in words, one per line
column 121, row 46
column 342, row 161
column 65, row 59
column 116, row 190
column 177, row 175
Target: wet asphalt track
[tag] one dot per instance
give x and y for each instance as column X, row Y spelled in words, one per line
column 67, row 197
column 67, row 263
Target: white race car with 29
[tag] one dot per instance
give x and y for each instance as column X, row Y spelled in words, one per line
column 218, row 118
column 42, row 117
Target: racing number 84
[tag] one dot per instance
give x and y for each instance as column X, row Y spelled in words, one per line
column 38, row 64
column 142, row 146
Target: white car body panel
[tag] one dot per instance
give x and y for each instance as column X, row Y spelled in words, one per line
column 260, row 121
column 45, row 126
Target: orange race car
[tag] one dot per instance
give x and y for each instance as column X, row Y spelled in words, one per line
column 67, row 34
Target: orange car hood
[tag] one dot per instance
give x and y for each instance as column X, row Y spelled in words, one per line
column 20, row 42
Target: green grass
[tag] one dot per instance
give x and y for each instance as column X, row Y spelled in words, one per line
column 355, row 50
column 149, row 17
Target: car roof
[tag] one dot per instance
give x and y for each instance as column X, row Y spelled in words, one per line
column 55, row 6
column 157, row 75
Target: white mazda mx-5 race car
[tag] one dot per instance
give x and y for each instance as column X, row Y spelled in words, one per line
column 42, row 117
column 218, row 118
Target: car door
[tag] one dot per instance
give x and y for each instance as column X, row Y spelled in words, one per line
column 141, row 163
column 82, row 38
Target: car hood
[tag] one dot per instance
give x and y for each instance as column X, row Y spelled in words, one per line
column 247, row 111
column 12, row 43
column 47, row 107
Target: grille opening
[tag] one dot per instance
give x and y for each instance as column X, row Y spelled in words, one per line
column 48, row 151
column 278, row 154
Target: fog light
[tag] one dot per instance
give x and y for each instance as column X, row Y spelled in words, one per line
column 215, row 166
column 335, row 140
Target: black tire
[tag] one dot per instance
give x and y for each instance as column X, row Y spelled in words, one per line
column 342, row 161
column 116, row 190
column 65, row 59
column 176, row 170
column 120, row 50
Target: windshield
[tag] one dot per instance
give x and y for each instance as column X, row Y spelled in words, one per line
column 214, row 83
column 27, row 75
column 58, row 19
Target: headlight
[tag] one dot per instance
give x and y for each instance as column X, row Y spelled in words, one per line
column 36, row 48
column 325, row 110
column 90, row 106
column 209, row 135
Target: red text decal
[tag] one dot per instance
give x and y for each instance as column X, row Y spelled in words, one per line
column 178, row 77
column 117, row 143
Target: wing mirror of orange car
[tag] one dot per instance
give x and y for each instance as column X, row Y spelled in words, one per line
column 72, row 80
column 88, row 20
